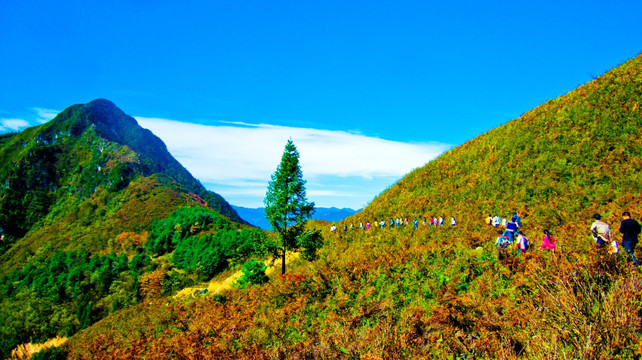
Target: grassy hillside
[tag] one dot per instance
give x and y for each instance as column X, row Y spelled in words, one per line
column 446, row 292
column 82, row 197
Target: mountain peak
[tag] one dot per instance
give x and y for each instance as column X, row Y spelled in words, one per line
column 107, row 121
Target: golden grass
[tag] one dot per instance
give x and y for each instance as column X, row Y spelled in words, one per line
column 25, row 351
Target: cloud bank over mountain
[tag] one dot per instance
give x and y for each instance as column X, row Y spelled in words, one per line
column 342, row 168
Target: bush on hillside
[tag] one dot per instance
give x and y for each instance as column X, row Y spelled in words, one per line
column 52, row 353
column 253, row 273
column 311, row 242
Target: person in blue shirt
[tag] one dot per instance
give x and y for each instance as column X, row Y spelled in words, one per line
column 511, row 229
column 415, row 223
column 630, row 230
column 517, row 219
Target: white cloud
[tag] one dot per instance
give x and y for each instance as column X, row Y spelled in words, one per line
column 35, row 116
column 246, row 152
column 13, row 124
column 44, row 115
column 239, row 158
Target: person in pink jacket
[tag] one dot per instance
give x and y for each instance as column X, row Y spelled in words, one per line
column 548, row 242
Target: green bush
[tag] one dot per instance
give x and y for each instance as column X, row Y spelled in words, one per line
column 253, row 273
column 311, row 242
column 52, row 353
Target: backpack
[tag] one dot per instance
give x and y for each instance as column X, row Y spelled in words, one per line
column 523, row 243
column 502, row 242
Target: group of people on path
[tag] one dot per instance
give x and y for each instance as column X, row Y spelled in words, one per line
column 600, row 231
column 513, row 233
column 398, row 222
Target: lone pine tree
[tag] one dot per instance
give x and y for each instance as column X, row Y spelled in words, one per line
column 286, row 205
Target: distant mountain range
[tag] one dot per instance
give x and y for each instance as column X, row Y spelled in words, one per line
column 257, row 218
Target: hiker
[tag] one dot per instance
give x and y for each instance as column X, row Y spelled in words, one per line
column 489, row 220
column 432, row 220
column 397, row 223
column 453, row 222
column 548, row 242
column 392, row 223
column 415, row 223
column 600, row 231
column 406, row 222
column 441, row 220
column 361, row 225
column 502, row 241
column 630, row 230
column 436, row 221
column 367, row 225
column 424, row 221
column 496, row 221
column 333, row 228
column 522, row 242
column 345, row 228
column 383, row 224
column 504, row 223
column 511, row 229
column 517, row 219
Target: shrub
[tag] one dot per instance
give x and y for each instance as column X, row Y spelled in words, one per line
column 253, row 273
column 52, row 353
column 311, row 242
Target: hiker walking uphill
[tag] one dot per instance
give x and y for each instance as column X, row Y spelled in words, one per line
column 600, row 231
column 630, row 230
column 511, row 229
column 517, row 219
column 548, row 242
column 522, row 242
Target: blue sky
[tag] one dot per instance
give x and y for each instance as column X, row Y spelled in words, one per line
column 368, row 90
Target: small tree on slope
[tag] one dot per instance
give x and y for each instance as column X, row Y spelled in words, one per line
column 286, row 205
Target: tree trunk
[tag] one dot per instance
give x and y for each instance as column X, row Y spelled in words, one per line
column 283, row 263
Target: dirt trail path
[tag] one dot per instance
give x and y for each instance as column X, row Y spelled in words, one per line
column 216, row 287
